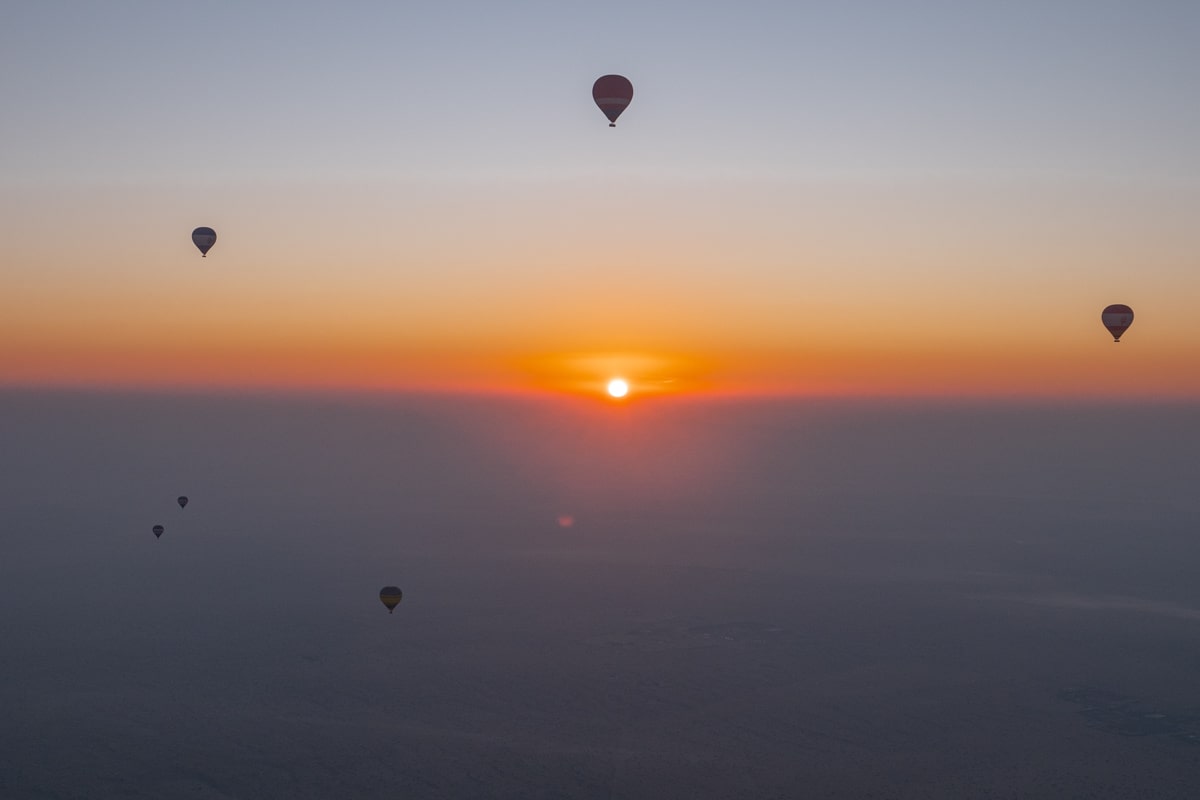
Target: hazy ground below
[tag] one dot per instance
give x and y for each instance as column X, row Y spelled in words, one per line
column 754, row 599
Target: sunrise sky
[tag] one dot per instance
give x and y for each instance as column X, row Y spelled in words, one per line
column 920, row 198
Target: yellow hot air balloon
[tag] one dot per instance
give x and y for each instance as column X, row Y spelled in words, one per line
column 390, row 596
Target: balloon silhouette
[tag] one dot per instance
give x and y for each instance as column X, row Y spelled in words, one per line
column 204, row 239
column 390, row 596
column 612, row 93
column 1117, row 318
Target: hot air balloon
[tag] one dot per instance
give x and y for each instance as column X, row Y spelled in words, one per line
column 182, row 500
column 612, row 93
column 158, row 531
column 390, row 596
column 204, row 239
column 1117, row 318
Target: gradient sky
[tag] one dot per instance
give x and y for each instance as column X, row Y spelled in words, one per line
column 865, row 198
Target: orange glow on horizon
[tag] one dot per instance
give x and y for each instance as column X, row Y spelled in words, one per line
column 591, row 373
column 358, row 344
column 1103, row 369
column 231, row 324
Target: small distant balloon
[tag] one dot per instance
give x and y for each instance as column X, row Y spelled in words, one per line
column 182, row 500
column 204, row 239
column 613, row 94
column 1117, row 318
column 158, row 531
column 390, row 596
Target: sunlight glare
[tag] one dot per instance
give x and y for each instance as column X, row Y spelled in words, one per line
column 618, row 388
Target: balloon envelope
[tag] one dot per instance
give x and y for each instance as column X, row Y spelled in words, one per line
column 158, row 531
column 612, row 93
column 1117, row 318
column 182, row 500
column 390, row 596
column 204, row 239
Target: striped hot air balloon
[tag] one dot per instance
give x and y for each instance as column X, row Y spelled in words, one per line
column 390, row 596
column 1117, row 318
column 612, row 93
column 204, row 239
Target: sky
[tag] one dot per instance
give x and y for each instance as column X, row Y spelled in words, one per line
column 863, row 198
column 912, row 525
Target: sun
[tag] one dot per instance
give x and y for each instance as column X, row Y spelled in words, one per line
column 617, row 388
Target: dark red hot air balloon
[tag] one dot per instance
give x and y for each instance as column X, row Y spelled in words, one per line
column 612, row 93
column 1117, row 318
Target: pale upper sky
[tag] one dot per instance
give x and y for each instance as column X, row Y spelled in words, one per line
column 911, row 197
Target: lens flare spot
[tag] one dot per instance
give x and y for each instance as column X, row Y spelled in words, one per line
column 566, row 521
